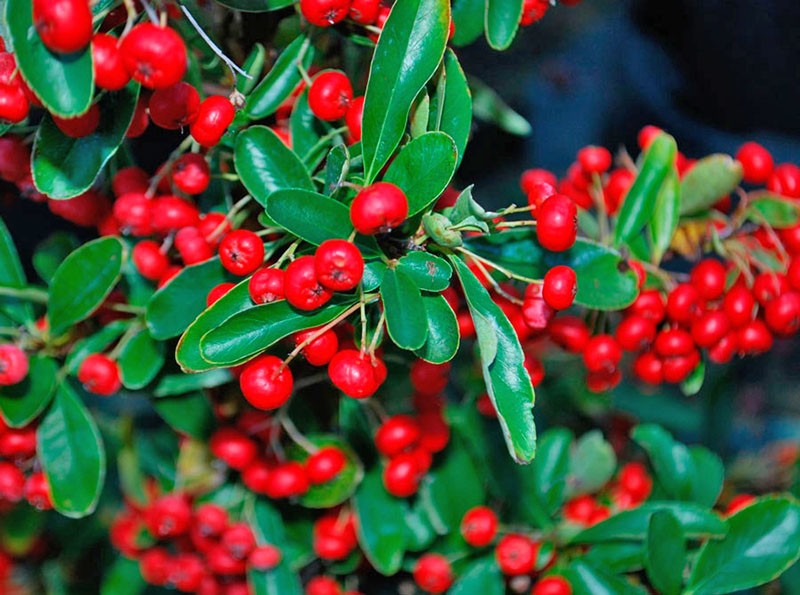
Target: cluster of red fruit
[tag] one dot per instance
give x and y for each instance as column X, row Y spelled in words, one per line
column 20, row 476
column 190, row 546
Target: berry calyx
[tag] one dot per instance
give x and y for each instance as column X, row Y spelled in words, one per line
column 241, row 252
column 301, row 286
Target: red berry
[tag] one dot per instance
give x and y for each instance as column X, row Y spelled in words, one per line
column 321, row 350
column 401, row 475
column 552, row 585
column 785, row 180
column 266, row 383
column 15, row 158
column 531, row 178
column 130, row 179
column 397, row 434
column 684, row 303
column 301, row 287
column 756, row 162
column 616, row 188
column 536, row 312
column 739, row 502
column 241, row 252
column 233, row 447
column 65, row 26
column 133, row 211
column 635, row 333
column 782, row 314
column 13, row 364
column 265, row 557
column 355, row 374
column 378, row 208
column 323, row 585
column 37, row 491
column 214, row 116
column 287, row 481
column 329, row 95
column 256, row 476
column 213, row 227
column 266, row 285
column 154, row 56
column 175, row 106
column 338, row 265
column 724, row 350
column 739, row 305
column 677, row 368
column 169, row 516
column 325, row 464
column 191, row 174
column 217, row 292
column 709, row 328
column 18, row 443
column 516, row 554
column 595, row 160
column 768, row 286
column 192, row 246
column 149, row 260
column 324, row 13
column 140, row 120
column 334, row 536
column 79, row 126
column 12, row 483
column 170, row 213
column 648, row 367
column 570, row 333
column 708, row 278
column 364, row 12
column 647, row 135
column 210, row 519
column 560, row 286
column 354, row 117
column 636, row 481
column 110, row 73
column 479, row 526
column 433, row 574
column 673, row 342
column 602, row 353
column 557, row 223
column 99, row 374
column 239, row 540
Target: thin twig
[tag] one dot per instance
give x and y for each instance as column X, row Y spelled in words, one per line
column 230, row 63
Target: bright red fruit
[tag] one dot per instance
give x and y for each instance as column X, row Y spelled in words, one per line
column 324, row 13
column 80, row 126
column 266, row 285
column 559, row 287
column 557, row 223
column 214, row 116
column 65, row 26
column 149, row 260
column 175, row 106
column 325, row 464
column 479, row 526
column 552, row 585
column 397, row 434
column 321, row 349
column 516, row 554
column 109, row 69
column 154, row 56
column 329, row 95
column 756, row 161
column 378, row 208
column 338, row 265
column 301, row 287
column 13, row 364
column 241, row 252
column 433, row 573
column 191, row 174
column 266, row 383
column 353, row 373
column 99, row 374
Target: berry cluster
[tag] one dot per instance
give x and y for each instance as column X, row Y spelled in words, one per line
column 20, row 477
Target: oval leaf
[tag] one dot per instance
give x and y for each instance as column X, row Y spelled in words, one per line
column 429, row 272
column 502, row 22
column 443, row 336
column 665, row 555
column 269, row 529
column 141, row 360
column 22, row 402
column 405, row 311
column 83, row 281
column 410, row 47
column 12, row 275
column 666, row 215
column 709, row 180
column 283, row 77
column 188, row 414
column 775, row 210
column 451, row 105
column 481, row 577
column 381, row 525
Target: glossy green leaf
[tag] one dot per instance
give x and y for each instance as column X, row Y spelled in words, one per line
column 488, row 106
column 252, row 331
column 709, row 476
column 451, row 105
column 188, row 414
column 64, row 83
column 83, row 281
column 709, row 180
column 404, row 309
column 339, row 489
column 451, row 489
column 187, row 354
column 410, row 48
column 253, row 65
column 592, row 464
column 269, row 529
column 265, row 164
column 587, row 579
column 428, row 272
column 97, row 342
column 665, row 215
column 381, row 524
column 123, row 578
column 336, row 169
column 12, row 275
column 672, row 461
column 507, row 381
column 617, row 556
column 443, row 335
column 546, row 478
column 374, row 271
column 256, row 5
column 64, row 167
column 22, row 402
column 775, row 210
column 469, row 18
column 692, row 384
column 763, row 540
column 315, row 218
column 141, row 360
column 666, row 553
column 178, row 384
column 282, row 78
column 51, row 253
column 502, row 22
column 423, row 169
column 307, row 132
column 640, row 201
column 482, row 577
column 697, row 522
column 72, row 454
column 173, row 307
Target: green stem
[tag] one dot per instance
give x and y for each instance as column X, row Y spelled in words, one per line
column 29, row 294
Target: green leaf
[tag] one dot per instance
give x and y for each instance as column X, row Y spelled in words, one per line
column 482, row 577
column 95, row 343
column 546, row 478
column 51, row 252
column 490, row 107
column 451, row 489
column 336, row 168
column 64, row 167
column 468, row 19
column 402, row 303
column 188, row 414
column 617, row 556
column 672, row 461
column 443, row 336
column 410, row 47
column 21, row 529
column 306, row 134
column 708, row 180
column 373, row 275
column 381, row 526
column 502, row 22
column 21, row 403
column 665, row 555
column 140, row 361
column 71, row 451
column 179, row 384
column 453, row 114
column 64, row 83
column 250, row 332
column 315, row 218
column 694, row 382
column 428, row 272
column 281, row 80
column 665, row 215
column 697, row 522
column 13, row 276
column 775, row 210
column 708, row 477
column 256, row 5
column 339, row 489
column 83, row 281
column 592, row 464
column 507, row 381
column 173, row 307
column 269, row 529
column 123, row 578
column 187, row 354
column 265, row 164
column 587, row 579
column 253, row 65
column 423, row 169
column 640, row 201
column 763, row 541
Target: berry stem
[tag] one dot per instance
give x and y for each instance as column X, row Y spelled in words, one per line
column 296, row 436
column 511, row 224
column 288, row 254
column 377, row 335
column 165, row 169
column 130, row 333
column 29, row 294
column 324, row 141
column 496, row 267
